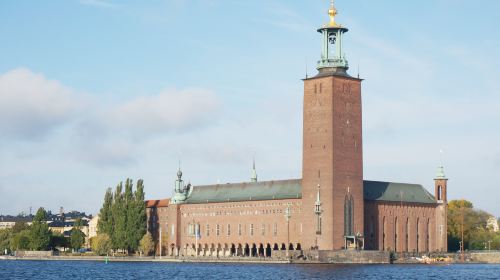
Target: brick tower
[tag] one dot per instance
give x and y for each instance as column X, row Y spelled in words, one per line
column 332, row 149
column 441, row 189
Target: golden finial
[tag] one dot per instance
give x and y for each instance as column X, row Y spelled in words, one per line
column 332, row 12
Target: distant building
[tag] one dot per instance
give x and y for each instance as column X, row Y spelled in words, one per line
column 331, row 207
column 10, row 221
column 93, row 226
column 492, row 224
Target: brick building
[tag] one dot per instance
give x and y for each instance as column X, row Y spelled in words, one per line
column 330, row 208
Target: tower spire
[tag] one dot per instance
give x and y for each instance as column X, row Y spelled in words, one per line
column 332, row 12
column 440, row 171
column 254, row 172
column 332, row 56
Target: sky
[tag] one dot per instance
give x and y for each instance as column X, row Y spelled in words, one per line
column 96, row 91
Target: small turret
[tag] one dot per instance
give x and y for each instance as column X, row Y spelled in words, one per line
column 333, row 58
column 441, row 184
column 441, row 194
column 181, row 191
column 253, row 179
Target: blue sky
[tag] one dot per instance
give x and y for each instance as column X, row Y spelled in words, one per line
column 95, row 91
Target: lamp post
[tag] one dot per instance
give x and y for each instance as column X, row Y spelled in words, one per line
column 462, row 242
column 287, row 217
column 489, row 245
column 160, row 241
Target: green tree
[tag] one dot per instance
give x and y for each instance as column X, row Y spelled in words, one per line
column 58, row 240
column 101, row 244
column 136, row 214
column 21, row 240
column 123, row 216
column 5, row 238
column 105, row 223
column 119, row 235
column 140, row 217
column 129, row 216
column 39, row 231
column 146, row 244
column 77, row 237
column 19, row 226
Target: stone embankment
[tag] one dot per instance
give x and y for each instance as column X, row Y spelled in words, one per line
column 304, row 257
column 492, row 257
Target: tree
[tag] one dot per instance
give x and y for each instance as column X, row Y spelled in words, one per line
column 77, row 237
column 461, row 213
column 136, row 215
column 105, row 223
column 146, row 244
column 19, row 226
column 39, row 232
column 58, row 240
column 101, row 244
column 5, row 238
column 20, row 241
column 131, row 243
column 119, row 235
column 123, row 216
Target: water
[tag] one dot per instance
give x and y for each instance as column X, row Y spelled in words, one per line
column 121, row 270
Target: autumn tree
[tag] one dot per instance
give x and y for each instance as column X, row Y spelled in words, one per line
column 146, row 244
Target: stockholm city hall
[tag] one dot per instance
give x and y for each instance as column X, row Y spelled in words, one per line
column 330, row 208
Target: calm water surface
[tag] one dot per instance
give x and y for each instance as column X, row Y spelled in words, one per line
column 100, row 270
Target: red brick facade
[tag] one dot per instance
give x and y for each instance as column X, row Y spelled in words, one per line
column 330, row 209
column 332, row 159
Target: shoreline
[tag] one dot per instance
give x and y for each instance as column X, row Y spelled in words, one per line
column 207, row 260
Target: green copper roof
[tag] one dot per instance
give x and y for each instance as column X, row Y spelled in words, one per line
column 290, row 189
column 269, row 190
column 386, row 191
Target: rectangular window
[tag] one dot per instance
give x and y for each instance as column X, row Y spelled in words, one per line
column 217, row 230
column 228, row 229
column 251, row 229
column 190, row 230
column 239, row 229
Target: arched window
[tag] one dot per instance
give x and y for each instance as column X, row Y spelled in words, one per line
column 440, row 193
column 383, row 234
column 407, row 231
column 418, row 235
column 349, row 216
column 396, row 235
column 427, row 239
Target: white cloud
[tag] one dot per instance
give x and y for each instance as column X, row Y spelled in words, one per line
column 31, row 105
column 169, row 110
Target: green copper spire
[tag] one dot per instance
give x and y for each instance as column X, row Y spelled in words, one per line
column 440, row 173
column 332, row 55
column 254, row 173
